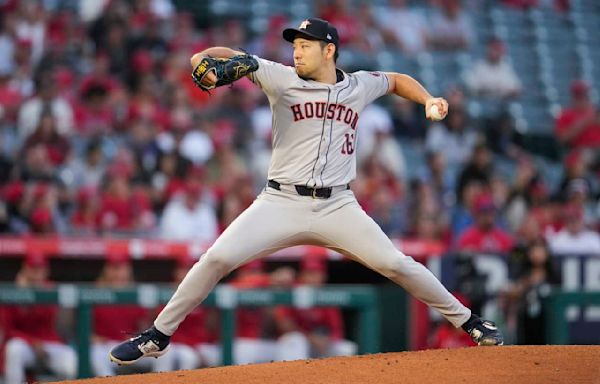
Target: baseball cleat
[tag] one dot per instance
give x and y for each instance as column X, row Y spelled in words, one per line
column 150, row 343
column 483, row 332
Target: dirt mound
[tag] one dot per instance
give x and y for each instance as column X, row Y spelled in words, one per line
column 490, row 365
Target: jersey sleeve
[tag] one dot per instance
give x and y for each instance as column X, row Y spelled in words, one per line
column 273, row 78
column 371, row 85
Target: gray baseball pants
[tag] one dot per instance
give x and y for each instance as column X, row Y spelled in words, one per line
column 279, row 219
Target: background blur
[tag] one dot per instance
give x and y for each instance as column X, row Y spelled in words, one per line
column 110, row 158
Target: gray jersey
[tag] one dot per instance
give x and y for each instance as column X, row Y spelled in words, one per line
column 314, row 124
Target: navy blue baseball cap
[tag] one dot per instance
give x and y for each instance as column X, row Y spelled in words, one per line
column 314, row 28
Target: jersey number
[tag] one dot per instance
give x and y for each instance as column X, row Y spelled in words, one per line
column 348, row 146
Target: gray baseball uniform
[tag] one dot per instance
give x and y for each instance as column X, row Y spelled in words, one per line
column 314, row 139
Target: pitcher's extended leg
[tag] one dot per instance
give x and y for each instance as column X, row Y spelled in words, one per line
column 363, row 240
column 269, row 224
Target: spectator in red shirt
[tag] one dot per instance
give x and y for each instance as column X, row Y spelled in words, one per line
column 312, row 332
column 196, row 342
column 83, row 221
column 484, row 235
column 112, row 321
column 31, row 330
column 123, row 209
column 94, row 116
column 578, row 126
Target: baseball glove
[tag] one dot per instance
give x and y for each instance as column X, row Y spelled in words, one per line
column 226, row 70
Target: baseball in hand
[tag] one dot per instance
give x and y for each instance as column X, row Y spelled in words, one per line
column 434, row 113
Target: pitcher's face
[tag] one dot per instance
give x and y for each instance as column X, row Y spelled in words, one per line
column 309, row 56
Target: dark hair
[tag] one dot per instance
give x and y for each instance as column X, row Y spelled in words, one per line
column 335, row 55
column 552, row 272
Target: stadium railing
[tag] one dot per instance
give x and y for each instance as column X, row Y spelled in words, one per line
column 363, row 299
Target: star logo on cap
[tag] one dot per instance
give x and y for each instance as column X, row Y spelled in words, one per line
column 304, row 24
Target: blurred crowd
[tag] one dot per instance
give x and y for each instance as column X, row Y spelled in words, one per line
column 102, row 133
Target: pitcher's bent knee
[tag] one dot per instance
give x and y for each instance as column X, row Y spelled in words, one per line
column 217, row 263
column 397, row 266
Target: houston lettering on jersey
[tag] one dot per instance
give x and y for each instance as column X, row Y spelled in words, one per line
column 316, row 110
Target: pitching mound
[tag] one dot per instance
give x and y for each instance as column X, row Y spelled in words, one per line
column 490, row 365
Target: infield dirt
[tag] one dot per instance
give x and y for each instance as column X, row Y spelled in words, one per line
column 570, row 364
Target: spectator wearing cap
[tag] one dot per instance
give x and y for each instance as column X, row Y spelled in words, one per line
column 493, row 77
column 485, row 236
column 578, row 125
column 575, row 238
column 312, row 332
column 110, row 322
column 190, row 215
column 31, row 331
column 196, row 343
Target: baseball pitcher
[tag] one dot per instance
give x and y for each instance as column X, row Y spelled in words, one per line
column 307, row 199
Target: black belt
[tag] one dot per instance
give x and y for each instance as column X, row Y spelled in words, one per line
column 323, row 193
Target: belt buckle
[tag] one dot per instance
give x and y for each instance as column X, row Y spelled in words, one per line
column 314, row 193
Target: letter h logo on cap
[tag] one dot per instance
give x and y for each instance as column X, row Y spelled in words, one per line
column 304, row 24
